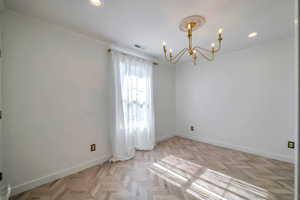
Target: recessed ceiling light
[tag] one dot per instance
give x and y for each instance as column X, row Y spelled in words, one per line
column 95, row 2
column 252, row 35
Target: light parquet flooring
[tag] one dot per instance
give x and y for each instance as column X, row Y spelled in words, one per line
column 177, row 169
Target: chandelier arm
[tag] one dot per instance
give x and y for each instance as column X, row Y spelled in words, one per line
column 203, row 49
column 176, row 61
column 205, row 56
column 219, row 47
column 194, row 59
column 179, row 56
column 167, row 58
column 165, row 53
column 170, row 58
column 209, row 50
column 180, row 53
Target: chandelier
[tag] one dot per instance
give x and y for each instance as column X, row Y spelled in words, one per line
column 190, row 24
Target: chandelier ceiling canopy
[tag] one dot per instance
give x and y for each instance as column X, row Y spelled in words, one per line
column 190, row 24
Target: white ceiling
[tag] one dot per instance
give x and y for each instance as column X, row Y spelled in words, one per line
column 149, row 22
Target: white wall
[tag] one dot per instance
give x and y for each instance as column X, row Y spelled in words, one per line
column 243, row 100
column 55, row 89
column 164, row 99
column 54, row 98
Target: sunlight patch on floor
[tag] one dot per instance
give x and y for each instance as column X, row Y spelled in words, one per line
column 204, row 183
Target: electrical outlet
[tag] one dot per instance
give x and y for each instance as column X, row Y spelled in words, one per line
column 291, row 144
column 93, row 147
column 192, row 128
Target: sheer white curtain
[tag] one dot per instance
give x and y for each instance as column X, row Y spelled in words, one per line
column 133, row 112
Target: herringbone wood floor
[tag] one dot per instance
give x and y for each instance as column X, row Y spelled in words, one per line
column 177, row 169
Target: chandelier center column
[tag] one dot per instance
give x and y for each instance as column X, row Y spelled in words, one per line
column 190, row 27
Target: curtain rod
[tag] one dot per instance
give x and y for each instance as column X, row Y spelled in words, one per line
column 109, row 50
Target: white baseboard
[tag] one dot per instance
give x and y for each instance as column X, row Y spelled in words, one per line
column 57, row 175
column 163, row 138
column 284, row 158
column 65, row 172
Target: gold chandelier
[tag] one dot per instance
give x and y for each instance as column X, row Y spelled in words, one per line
column 190, row 24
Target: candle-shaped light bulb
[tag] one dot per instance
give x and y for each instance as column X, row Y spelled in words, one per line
column 189, row 26
column 164, row 48
column 220, row 31
column 194, row 51
column 213, row 45
column 170, row 55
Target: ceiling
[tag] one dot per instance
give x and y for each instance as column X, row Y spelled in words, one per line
column 149, row 22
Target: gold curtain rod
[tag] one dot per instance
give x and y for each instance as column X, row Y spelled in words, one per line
column 109, row 50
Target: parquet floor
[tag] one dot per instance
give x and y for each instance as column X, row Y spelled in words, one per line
column 177, row 169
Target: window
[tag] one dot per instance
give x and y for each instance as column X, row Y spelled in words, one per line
column 134, row 98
